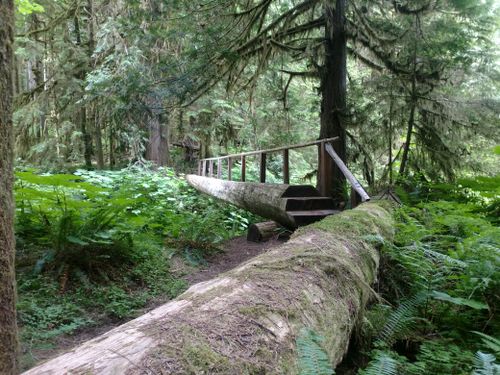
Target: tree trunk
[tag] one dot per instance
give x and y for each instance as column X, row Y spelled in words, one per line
column 409, row 132
column 333, row 91
column 157, row 149
column 112, row 160
column 248, row 320
column 81, row 115
column 8, row 326
column 413, row 104
column 98, row 141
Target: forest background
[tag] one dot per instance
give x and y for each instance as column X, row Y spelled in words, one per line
column 115, row 100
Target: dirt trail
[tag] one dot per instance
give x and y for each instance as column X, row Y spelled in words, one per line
column 235, row 251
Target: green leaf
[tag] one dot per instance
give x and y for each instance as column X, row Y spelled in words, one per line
column 477, row 305
column 76, row 241
column 26, row 7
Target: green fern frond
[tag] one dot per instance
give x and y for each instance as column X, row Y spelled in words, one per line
column 400, row 321
column 382, row 364
column 490, row 342
column 484, row 364
column 312, row 358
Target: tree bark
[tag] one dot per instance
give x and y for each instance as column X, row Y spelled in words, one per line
column 333, row 91
column 98, row 141
column 81, row 115
column 261, row 199
column 413, row 104
column 111, row 135
column 8, row 325
column 260, row 232
column 157, row 149
column 247, row 321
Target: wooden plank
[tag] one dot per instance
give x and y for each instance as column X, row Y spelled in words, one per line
column 263, row 159
column 347, row 173
column 313, row 213
column 229, row 169
column 243, row 168
column 277, row 149
column 219, row 168
column 286, row 166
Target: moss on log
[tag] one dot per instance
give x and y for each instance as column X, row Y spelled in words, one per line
column 247, row 320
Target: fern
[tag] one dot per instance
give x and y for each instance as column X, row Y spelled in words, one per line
column 382, row 364
column 484, row 364
column 312, row 358
column 490, row 342
column 400, row 321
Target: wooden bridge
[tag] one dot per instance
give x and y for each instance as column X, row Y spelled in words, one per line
column 289, row 205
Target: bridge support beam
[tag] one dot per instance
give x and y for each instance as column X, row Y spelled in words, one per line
column 248, row 320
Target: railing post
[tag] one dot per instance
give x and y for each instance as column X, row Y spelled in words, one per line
column 323, row 163
column 286, row 167
column 204, row 168
column 263, row 157
column 210, row 168
column 243, row 168
column 219, row 168
column 355, row 198
column 199, row 167
column 229, row 168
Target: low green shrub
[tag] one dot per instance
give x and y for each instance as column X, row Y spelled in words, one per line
column 442, row 277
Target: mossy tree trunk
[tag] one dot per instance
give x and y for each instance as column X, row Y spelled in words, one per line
column 8, row 327
column 247, row 320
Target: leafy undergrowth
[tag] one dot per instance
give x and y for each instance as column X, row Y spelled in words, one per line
column 97, row 246
column 440, row 283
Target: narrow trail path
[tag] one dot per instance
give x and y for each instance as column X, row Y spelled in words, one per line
column 235, row 251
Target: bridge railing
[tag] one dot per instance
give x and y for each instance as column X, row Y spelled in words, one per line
column 326, row 154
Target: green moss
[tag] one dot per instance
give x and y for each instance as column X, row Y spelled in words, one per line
column 200, row 358
column 369, row 218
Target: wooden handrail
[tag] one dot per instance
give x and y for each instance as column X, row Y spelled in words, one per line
column 347, row 173
column 277, row 149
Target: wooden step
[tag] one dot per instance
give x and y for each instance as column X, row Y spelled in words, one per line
column 308, row 203
column 301, row 191
column 305, row 217
column 313, row 213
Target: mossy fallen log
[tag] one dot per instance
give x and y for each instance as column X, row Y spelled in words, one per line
column 247, row 320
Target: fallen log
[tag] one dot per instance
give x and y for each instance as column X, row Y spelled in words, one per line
column 261, row 232
column 247, row 320
column 261, row 199
column 271, row 201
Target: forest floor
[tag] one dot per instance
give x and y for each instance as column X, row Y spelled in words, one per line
column 234, row 252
